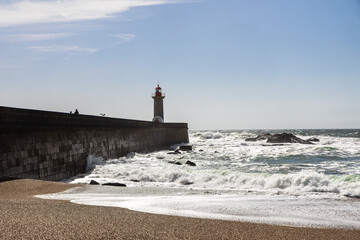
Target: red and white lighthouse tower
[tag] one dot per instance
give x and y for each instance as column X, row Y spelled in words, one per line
column 158, row 97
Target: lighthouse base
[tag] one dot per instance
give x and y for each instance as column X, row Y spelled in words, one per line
column 158, row 119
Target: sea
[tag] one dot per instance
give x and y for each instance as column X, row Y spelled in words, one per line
column 292, row 184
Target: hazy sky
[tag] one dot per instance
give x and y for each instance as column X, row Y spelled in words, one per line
column 223, row 64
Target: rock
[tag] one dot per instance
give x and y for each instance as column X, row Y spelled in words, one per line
column 201, row 150
column 280, row 138
column 186, row 182
column 176, row 163
column 92, row 182
column 313, row 140
column 263, row 136
column 174, row 152
column 185, row 148
column 272, row 145
column 190, row 163
column 351, row 196
column 286, row 138
column 251, row 139
column 115, row 184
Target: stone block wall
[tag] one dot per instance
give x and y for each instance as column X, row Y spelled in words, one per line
column 57, row 148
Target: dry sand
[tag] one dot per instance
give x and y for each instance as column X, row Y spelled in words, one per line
column 25, row 217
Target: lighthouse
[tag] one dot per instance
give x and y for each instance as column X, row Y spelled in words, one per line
column 158, row 97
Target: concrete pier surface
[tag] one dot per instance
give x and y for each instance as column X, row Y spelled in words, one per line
column 53, row 146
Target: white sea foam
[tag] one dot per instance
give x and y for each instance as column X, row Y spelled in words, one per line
column 92, row 161
column 282, row 210
column 226, row 161
column 271, row 174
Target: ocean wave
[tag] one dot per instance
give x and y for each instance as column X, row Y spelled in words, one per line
column 225, row 161
column 157, row 172
column 208, row 135
column 92, row 161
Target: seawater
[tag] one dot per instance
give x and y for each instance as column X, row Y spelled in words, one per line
column 290, row 184
column 224, row 160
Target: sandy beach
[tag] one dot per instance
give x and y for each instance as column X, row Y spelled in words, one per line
column 26, row 217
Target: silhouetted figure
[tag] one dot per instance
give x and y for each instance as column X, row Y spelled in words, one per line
column 76, row 112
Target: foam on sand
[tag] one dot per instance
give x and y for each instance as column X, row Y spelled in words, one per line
column 280, row 210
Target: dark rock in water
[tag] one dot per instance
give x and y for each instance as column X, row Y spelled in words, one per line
column 280, row 138
column 174, row 152
column 134, row 180
column 92, row 182
column 201, row 150
column 352, row 196
column 251, row 139
column 272, row 145
column 190, row 163
column 186, row 182
column 263, row 136
column 313, row 140
column 176, row 163
column 286, row 138
column 115, row 184
column 185, row 148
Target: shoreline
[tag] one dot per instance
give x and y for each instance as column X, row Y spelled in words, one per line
column 281, row 210
column 26, row 217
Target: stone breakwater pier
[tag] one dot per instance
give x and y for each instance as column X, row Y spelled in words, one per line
column 53, row 146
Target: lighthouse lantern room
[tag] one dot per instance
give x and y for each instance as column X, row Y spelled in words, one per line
column 158, row 97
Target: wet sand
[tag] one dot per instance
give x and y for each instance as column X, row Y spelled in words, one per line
column 26, row 217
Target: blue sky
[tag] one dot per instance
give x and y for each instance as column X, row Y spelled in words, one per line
column 223, row 64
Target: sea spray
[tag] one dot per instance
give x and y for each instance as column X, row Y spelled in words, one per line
column 290, row 184
column 225, row 161
column 92, row 161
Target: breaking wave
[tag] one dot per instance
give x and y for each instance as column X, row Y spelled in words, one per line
column 225, row 161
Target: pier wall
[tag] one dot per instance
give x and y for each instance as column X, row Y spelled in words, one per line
column 54, row 146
